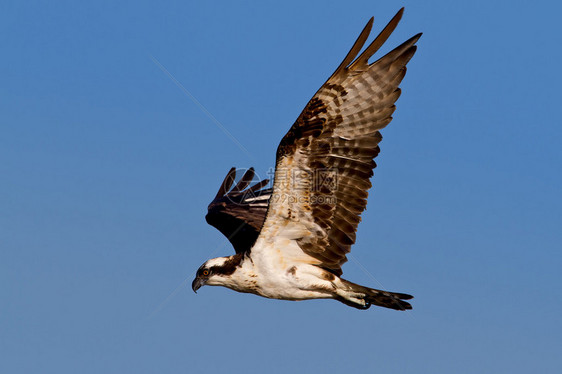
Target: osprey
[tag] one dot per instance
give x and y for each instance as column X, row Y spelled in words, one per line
column 292, row 239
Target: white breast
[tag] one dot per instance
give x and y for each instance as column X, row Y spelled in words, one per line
column 281, row 270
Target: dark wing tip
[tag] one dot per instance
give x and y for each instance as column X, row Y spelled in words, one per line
column 245, row 180
column 226, row 183
column 238, row 212
column 362, row 60
column 417, row 36
column 356, row 48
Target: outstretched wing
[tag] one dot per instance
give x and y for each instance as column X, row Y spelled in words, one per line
column 239, row 212
column 325, row 161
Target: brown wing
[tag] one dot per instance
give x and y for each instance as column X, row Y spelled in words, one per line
column 239, row 212
column 325, row 161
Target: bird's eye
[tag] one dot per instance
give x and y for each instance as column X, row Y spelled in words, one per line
column 205, row 272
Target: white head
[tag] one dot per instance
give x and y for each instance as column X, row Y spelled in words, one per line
column 216, row 271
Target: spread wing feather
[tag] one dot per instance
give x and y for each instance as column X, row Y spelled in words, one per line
column 239, row 212
column 325, row 160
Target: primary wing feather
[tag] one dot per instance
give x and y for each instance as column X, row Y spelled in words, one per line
column 239, row 212
column 325, row 160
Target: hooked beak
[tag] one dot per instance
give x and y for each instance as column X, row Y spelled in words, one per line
column 197, row 283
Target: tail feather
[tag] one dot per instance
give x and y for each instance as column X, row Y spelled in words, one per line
column 392, row 300
column 363, row 297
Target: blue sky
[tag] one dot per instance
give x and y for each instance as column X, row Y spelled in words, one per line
column 107, row 167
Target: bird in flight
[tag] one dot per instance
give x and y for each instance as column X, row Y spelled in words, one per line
column 292, row 239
